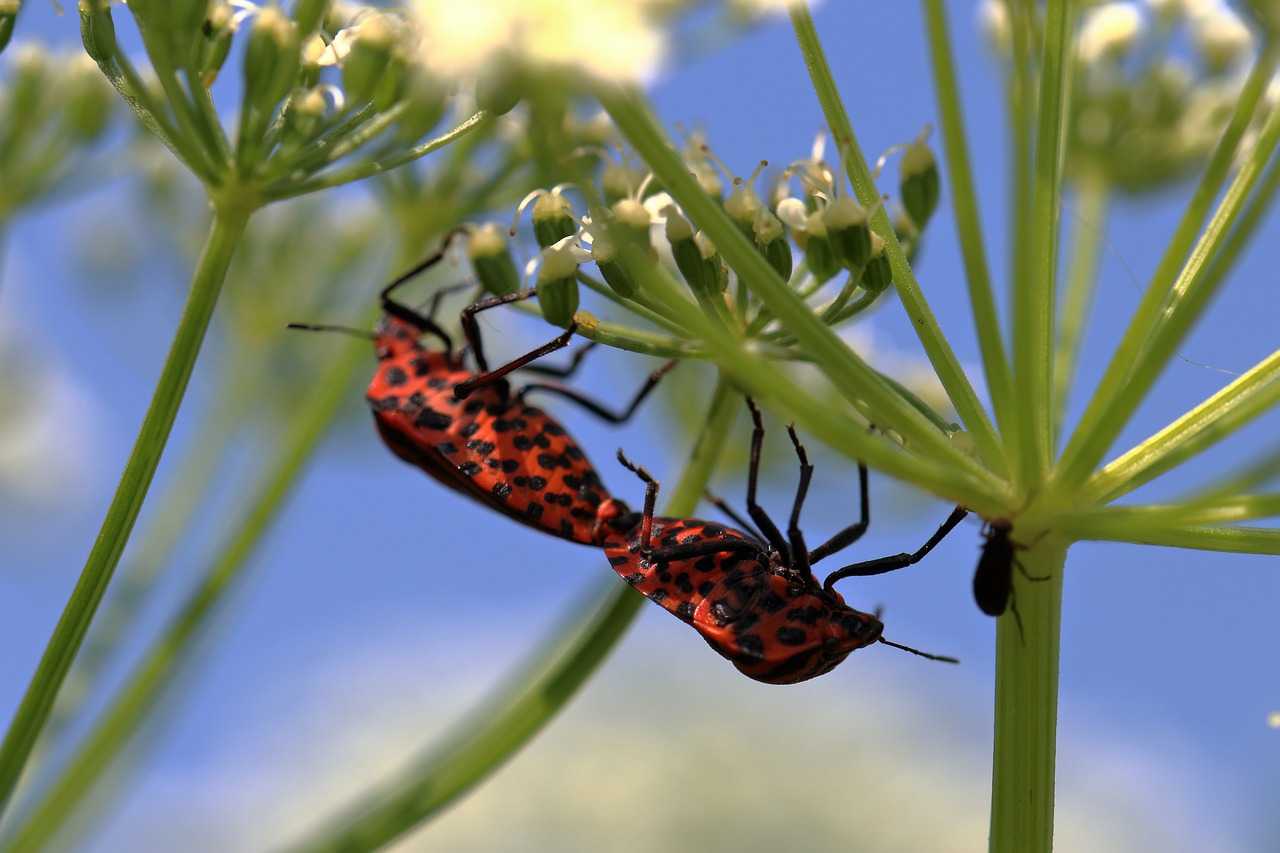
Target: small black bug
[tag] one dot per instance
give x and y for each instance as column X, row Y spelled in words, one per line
column 993, row 579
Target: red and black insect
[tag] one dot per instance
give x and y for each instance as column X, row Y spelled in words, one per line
column 753, row 596
column 471, row 432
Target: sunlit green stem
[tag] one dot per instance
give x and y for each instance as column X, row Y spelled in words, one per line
column 1026, row 704
column 1034, row 297
column 1104, row 417
column 964, row 199
column 185, row 494
column 228, row 223
column 1245, row 399
column 544, row 685
column 1081, row 284
column 845, row 369
column 923, row 321
column 129, row 708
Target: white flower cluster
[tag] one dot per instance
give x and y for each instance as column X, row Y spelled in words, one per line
column 1156, row 82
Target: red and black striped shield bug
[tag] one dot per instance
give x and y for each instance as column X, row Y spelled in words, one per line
column 470, row 431
column 752, row 595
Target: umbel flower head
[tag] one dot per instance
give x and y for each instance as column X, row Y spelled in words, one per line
column 641, row 251
column 1153, row 85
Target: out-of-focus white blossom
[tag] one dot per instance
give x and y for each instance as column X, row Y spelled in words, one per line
column 1222, row 38
column 993, row 24
column 611, row 39
column 1110, row 31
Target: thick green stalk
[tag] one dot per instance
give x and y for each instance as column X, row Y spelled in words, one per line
column 964, row 199
column 33, row 712
column 544, row 686
column 923, row 321
column 133, row 702
column 1026, row 704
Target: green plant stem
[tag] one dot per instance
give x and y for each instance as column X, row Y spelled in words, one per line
column 33, row 712
column 760, row 375
column 1034, row 297
column 183, row 497
column 1081, row 283
column 1102, row 419
column 964, row 199
column 849, row 373
column 544, row 685
column 287, row 188
column 923, row 321
column 1223, row 538
column 1026, row 705
column 143, row 688
column 1248, row 397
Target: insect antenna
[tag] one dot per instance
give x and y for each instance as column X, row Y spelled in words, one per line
column 324, row 327
column 942, row 658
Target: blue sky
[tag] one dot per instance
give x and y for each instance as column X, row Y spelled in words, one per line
column 1168, row 668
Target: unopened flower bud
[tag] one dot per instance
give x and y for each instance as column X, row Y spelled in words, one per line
column 97, row 29
column 367, row 62
column 819, row 257
column 491, row 259
column 552, row 221
column 271, row 60
column 302, row 117
column 499, row 88
column 89, row 100
column 688, row 254
column 558, row 286
column 618, row 181
column 919, row 182
column 771, row 240
column 308, row 14
column 742, row 206
column 847, row 229
column 210, row 51
column 615, row 274
column 8, row 15
column 632, row 220
column 878, row 275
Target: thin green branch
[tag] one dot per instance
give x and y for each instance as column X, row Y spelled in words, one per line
column 131, row 705
column 1223, row 538
column 964, row 199
column 1081, row 283
column 849, row 373
column 38, row 701
column 288, row 189
column 1035, row 297
column 923, row 321
column 544, row 685
column 1101, row 522
column 1235, row 406
column 1103, row 418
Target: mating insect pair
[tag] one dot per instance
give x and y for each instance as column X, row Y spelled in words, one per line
column 471, row 432
column 752, row 596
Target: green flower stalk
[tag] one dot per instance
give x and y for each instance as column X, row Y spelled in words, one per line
column 762, row 285
column 1013, row 474
column 242, row 171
